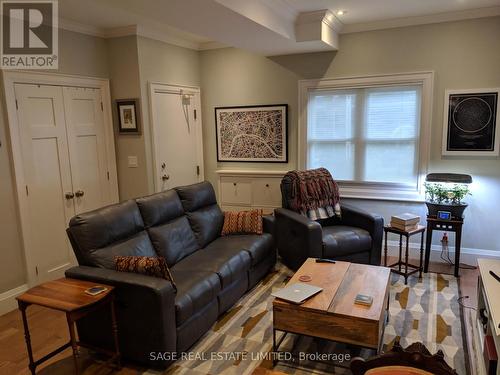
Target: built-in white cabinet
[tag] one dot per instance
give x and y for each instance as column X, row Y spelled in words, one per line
column 247, row 189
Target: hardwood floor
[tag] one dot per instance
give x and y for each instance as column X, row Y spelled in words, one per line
column 49, row 330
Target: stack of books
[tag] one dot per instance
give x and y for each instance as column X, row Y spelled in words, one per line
column 405, row 222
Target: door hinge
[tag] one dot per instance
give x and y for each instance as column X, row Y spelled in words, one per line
column 27, row 191
column 195, row 114
column 108, row 175
column 36, row 270
column 198, row 170
column 102, row 107
column 17, row 107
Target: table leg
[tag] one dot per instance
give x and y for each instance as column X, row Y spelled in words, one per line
column 406, row 258
column 458, row 242
column 275, row 349
column 74, row 345
column 400, row 250
column 421, row 254
column 428, row 248
column 115, row 332
column 385, row 250
column 27, row 337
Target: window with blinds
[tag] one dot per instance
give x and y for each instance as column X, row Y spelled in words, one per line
column 365, row 134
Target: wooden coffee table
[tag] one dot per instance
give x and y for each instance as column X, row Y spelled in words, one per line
column 332, row 314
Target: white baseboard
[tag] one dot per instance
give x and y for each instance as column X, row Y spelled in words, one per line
column 463, row 250
column 8, row 299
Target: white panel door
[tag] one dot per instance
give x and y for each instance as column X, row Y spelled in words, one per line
column 47, row 175
column 87, row 147
column 176, row 138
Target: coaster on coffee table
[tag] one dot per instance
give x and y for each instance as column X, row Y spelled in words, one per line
column 305, row 278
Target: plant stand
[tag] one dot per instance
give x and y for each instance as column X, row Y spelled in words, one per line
column 455, row 225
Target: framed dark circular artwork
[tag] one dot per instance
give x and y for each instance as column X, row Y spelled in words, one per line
column 471, row 120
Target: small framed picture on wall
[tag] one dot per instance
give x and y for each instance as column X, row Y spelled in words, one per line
column 471, row 122
column 128, row 121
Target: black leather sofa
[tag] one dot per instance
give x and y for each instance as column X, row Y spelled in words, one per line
column 357, row 237
column 211, row 272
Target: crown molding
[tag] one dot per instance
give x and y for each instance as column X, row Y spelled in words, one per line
column 138, row 30
column 320, row 27
column 211, row 45
column 166, row 37
column 422, row 20
column 118, row 32
column 81, row 28
column 324, row 15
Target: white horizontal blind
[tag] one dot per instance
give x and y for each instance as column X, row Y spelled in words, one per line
column 365, row 134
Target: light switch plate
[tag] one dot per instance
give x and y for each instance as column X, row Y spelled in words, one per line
column 132, row 162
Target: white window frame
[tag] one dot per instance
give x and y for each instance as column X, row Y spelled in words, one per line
column 375, row 190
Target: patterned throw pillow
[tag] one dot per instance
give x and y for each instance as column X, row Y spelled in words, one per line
column 249, row 222
column 150, row 266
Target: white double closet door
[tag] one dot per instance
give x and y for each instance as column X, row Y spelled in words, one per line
column 63, row 148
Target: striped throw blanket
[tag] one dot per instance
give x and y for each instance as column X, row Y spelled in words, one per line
column 314, row 193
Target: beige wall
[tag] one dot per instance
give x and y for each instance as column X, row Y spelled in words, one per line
column 125, row 84
column 81, row 55
column 462, row 54
column 162, row 63
column 235, row 77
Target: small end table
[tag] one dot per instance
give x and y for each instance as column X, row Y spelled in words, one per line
column 400, row 263
column 68, row 295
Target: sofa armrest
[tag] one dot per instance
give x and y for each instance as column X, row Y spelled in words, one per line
column 269, row 224
column 297, row 237
column 372, row 223
column 145, row 311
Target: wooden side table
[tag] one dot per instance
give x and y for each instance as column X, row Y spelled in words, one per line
column 400, row 263
column 68, row 295
column 455, row 225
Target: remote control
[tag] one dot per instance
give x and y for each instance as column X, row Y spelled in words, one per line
column 322, row 260
column 495, row 275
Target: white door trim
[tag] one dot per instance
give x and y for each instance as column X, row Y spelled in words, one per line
column 155, row 87
column 10, row 78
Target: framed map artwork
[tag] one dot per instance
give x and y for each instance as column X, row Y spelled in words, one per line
column 252, row 133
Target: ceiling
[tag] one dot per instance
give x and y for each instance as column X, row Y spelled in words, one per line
column 268, row 27
column 364, row 11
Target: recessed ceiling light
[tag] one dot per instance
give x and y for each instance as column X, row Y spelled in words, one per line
column 341, row 12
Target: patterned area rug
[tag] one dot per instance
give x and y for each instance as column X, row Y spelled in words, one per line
column 241, row 340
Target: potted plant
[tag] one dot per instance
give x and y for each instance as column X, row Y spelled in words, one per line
column 446, row 197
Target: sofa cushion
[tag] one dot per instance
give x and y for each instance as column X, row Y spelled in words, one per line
column 138, row 245
column 100, row 235
column 257, row 246
column 229, row 263
column 174, row 240
column 168, row 228
column 195, row 290
column 205, row 216
column 242, row 222
column 341, row 240
column 160, row 208
column 149, row 266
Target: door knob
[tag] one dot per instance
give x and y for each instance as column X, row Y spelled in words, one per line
column 69, row 195
column 165, row 177
column 79, row 193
